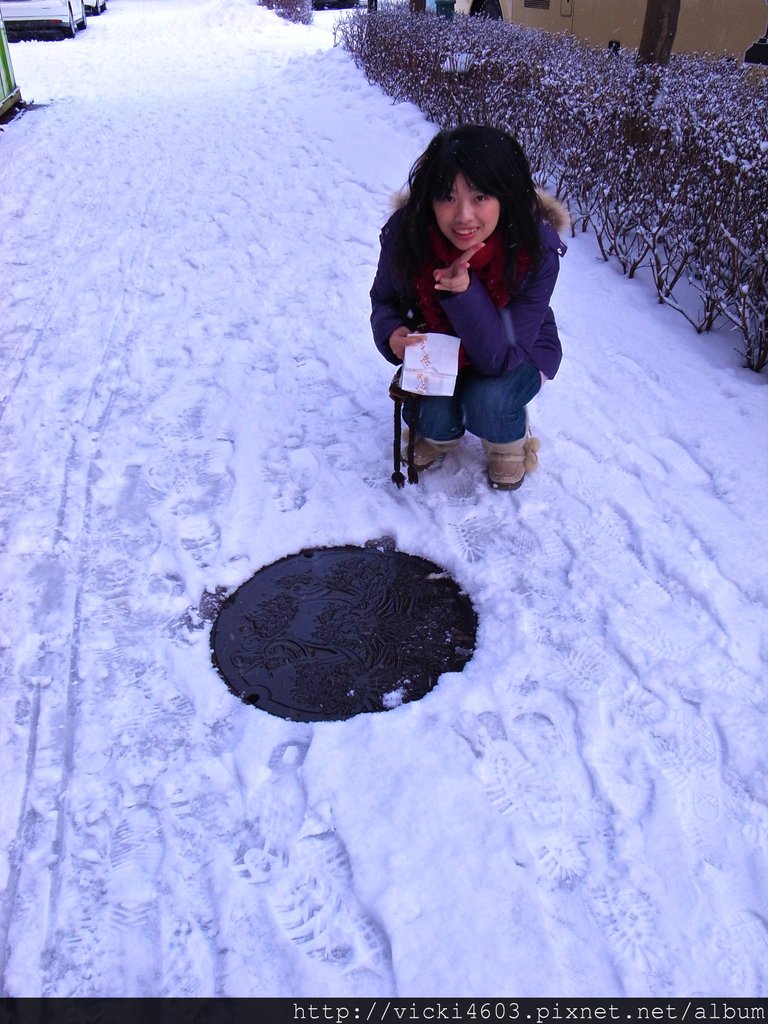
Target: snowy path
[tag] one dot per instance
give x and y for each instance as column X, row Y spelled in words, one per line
column 584, row 810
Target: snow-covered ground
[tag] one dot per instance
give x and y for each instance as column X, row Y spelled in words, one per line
column 190, row 392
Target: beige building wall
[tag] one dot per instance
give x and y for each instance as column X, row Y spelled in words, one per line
column 712, row 26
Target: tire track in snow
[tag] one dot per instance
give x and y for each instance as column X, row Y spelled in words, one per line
column 16, row 849
column 75, row 520
column 56, row 728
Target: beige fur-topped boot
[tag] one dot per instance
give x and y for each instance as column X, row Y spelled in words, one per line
column 426, row 451
column 508, row 463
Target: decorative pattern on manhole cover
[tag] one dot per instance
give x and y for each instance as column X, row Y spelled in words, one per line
column 332, row 632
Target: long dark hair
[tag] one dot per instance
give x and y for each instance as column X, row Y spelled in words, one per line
column 493, row 162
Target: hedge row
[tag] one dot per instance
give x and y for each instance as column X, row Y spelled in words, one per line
column 667, row 166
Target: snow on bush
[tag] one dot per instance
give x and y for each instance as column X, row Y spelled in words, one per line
column 667, row 166
column 298, row 11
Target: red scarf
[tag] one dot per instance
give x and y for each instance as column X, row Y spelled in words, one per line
column 488, row 264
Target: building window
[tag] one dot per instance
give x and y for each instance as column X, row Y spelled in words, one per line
column 541, row 5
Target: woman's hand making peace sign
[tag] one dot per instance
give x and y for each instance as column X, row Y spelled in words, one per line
column 455, row 278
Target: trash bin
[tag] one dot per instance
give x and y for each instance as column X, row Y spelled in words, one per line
column 444, row 8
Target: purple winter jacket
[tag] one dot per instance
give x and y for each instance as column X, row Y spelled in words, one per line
column 495, row 344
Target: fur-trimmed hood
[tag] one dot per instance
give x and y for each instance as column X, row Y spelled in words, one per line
column 553, row 211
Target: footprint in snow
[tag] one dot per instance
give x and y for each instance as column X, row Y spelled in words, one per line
column 738, row 947
column 689, row 757
column 305, row 870
column 522, row 782
column 531, row 774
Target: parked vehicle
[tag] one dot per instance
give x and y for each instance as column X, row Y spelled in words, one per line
column 95, row 7
column 321, row 5
column 65, row 16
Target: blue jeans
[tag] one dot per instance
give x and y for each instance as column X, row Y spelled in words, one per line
column 489, row 407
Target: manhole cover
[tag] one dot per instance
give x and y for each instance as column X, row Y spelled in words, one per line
column 332, row 632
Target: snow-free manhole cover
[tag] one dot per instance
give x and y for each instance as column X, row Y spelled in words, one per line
column 331, row 632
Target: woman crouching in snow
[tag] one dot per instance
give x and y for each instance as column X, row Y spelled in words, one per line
column 473, row 252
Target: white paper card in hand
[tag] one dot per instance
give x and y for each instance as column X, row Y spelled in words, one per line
column 430, row 366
